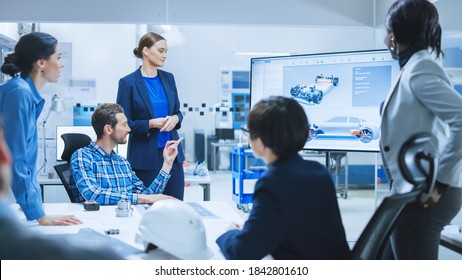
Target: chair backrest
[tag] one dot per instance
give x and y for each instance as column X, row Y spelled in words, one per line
column 418, row 168
column 64, row 175
column 72, row 142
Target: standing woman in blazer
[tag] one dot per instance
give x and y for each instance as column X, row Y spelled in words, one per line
column 150, row 100
column 422, row 99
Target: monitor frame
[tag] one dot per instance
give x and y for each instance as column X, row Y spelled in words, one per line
column 225, row 134
column 314, row 64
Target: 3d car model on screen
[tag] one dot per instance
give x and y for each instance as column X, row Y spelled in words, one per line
column 345, row 127
column 313, row 94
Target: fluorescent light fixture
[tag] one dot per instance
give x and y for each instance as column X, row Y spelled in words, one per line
column 166, row 27
column 263, row 53
column 433, row 1
column 173, row 35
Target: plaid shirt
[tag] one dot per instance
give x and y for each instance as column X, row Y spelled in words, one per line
column 108, row 178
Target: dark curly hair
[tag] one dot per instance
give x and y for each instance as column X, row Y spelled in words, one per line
column 103, row 115
column 415, row 23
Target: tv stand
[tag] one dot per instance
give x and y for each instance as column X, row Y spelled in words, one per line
column 335, row 168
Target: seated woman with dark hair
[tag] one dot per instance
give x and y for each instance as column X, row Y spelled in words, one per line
column 295, row 214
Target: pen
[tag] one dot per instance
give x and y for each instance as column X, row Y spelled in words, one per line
column 202, row 165
column 196, row 168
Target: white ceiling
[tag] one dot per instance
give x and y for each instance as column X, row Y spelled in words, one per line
column 330, row 13
column 260, row 12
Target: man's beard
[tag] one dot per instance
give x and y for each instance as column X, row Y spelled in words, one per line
column 119, row 140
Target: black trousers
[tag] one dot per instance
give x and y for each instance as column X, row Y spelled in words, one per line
column 418, row 231
column 175, row 185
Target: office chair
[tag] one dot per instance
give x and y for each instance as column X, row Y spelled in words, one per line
column 72, row 142
column 419, row 168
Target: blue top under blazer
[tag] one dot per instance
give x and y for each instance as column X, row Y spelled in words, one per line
column 133, row 96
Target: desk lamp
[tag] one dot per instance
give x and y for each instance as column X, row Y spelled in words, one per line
column 57, row 105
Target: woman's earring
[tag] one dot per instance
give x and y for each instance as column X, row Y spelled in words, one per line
column 42, row 69
column 393, row 48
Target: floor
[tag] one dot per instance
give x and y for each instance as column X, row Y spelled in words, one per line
column 356, row 209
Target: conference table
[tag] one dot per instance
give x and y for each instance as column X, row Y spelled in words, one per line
column 98, row 225
column 451, row 238
column 203, row 181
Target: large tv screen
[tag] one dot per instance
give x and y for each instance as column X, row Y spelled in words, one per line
column 340, row 92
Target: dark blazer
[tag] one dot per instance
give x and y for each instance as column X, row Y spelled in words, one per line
column 18, row 242
column 133, row 96
column 295, row 215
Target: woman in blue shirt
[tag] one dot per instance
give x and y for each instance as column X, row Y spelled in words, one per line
column 37, row 58
column 150, row 99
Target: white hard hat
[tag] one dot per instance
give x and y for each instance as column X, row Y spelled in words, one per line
column 176, row 228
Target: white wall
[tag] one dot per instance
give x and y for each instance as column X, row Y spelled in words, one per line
column 104, row 52
column 9, row 30
column 100, row 51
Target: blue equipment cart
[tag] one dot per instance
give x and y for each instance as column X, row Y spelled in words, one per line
column 244, row 166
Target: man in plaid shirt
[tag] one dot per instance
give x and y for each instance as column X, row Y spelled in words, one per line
column 101, row 175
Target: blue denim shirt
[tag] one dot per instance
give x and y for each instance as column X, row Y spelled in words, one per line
column 20, row 107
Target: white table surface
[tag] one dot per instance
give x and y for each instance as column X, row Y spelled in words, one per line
column 105, row 218
column 187, row 178
column 203, row 181
column 451, row 237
